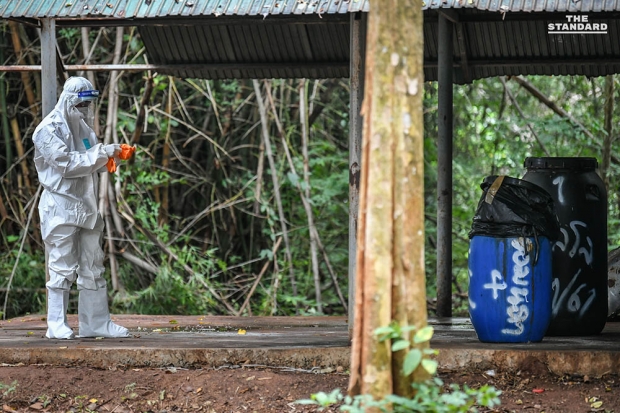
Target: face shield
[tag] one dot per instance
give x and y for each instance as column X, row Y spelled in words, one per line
column 76, row 105
column 85, row 106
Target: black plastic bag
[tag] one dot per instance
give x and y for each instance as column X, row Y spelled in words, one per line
column 511, row 207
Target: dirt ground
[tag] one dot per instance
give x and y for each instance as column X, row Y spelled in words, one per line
column 256, row 389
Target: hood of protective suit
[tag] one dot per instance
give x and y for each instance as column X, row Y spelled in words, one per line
column 77, row 90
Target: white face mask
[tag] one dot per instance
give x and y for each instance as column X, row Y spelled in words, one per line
column 75, row 119
column 74, row 114
column 83, row 111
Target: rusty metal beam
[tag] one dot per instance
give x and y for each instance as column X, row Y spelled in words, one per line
column 193, row 66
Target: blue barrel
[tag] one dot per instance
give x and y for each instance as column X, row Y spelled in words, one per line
column 510, row 288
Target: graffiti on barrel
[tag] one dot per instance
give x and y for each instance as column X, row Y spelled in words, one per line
column 569, row 298
column 517, row 312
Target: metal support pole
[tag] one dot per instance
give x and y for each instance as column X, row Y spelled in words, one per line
column 358, row 42
column 48, row 83
column 444, row 173
column 48, row 65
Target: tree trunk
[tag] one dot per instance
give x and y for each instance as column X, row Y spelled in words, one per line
column 390, row 250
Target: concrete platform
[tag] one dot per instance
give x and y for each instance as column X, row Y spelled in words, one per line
column 309, row 343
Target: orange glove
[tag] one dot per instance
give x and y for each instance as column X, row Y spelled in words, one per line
column 111, row 165
column 126, row 151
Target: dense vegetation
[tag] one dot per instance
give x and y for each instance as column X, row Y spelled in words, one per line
column 207, row 219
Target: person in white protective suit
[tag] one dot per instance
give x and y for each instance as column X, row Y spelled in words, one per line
column 68, row 159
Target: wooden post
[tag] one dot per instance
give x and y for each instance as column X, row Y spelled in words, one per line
column 48, row 65
column 444, row 173
column 358, row 41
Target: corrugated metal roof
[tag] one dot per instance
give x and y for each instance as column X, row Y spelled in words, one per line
column 574, row 6
column 138, row 9
column 251, row 51
column 488, row 44
column 220, row 39
column 223, row 39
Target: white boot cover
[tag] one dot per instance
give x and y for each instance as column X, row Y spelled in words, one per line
column 94, row 315
column 57, row 303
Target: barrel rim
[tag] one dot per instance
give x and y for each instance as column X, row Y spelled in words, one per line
column 560, row 162
column 488, row 180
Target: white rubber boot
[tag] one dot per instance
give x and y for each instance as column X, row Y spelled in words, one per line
column 94, row 315
column 57, row 303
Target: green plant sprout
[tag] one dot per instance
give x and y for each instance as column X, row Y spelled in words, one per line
column 6, row 389
column 429, row 396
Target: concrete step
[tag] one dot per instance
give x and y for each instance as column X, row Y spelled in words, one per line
column 319, row 343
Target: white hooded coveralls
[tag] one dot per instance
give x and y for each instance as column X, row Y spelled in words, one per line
column 68, row 160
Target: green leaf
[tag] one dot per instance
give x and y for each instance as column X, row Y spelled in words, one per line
column 383, row 330
column 400, row 345
column 412, row 361
column 306, row 401
column 294, row 178
column 423, row 335
column 430, row 351
column 430, row 366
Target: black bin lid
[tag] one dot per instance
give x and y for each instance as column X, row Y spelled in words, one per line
column 529, row 186
column 561, row 163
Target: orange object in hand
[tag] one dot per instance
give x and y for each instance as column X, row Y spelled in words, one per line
column 111, row 165
column 126, row 151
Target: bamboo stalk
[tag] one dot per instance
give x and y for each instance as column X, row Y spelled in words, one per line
column 112, row 254
column 276, row 186
column 86, row 51
column 274, row 250
column 3, row 212
column 257, row 190
column 24, row 236
column 303, row 117
column 128, row 215
column 17, row 139
column 31, row 60
column 116, row 218
column 137, row 261
column 305, row 202
column 17, row 47
column 165, row 161
column 330, row 270
column 325, row 97
column 3, row 108
column 29, row 290
column 146, row 96
column 109, row 136
column 275, row 284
